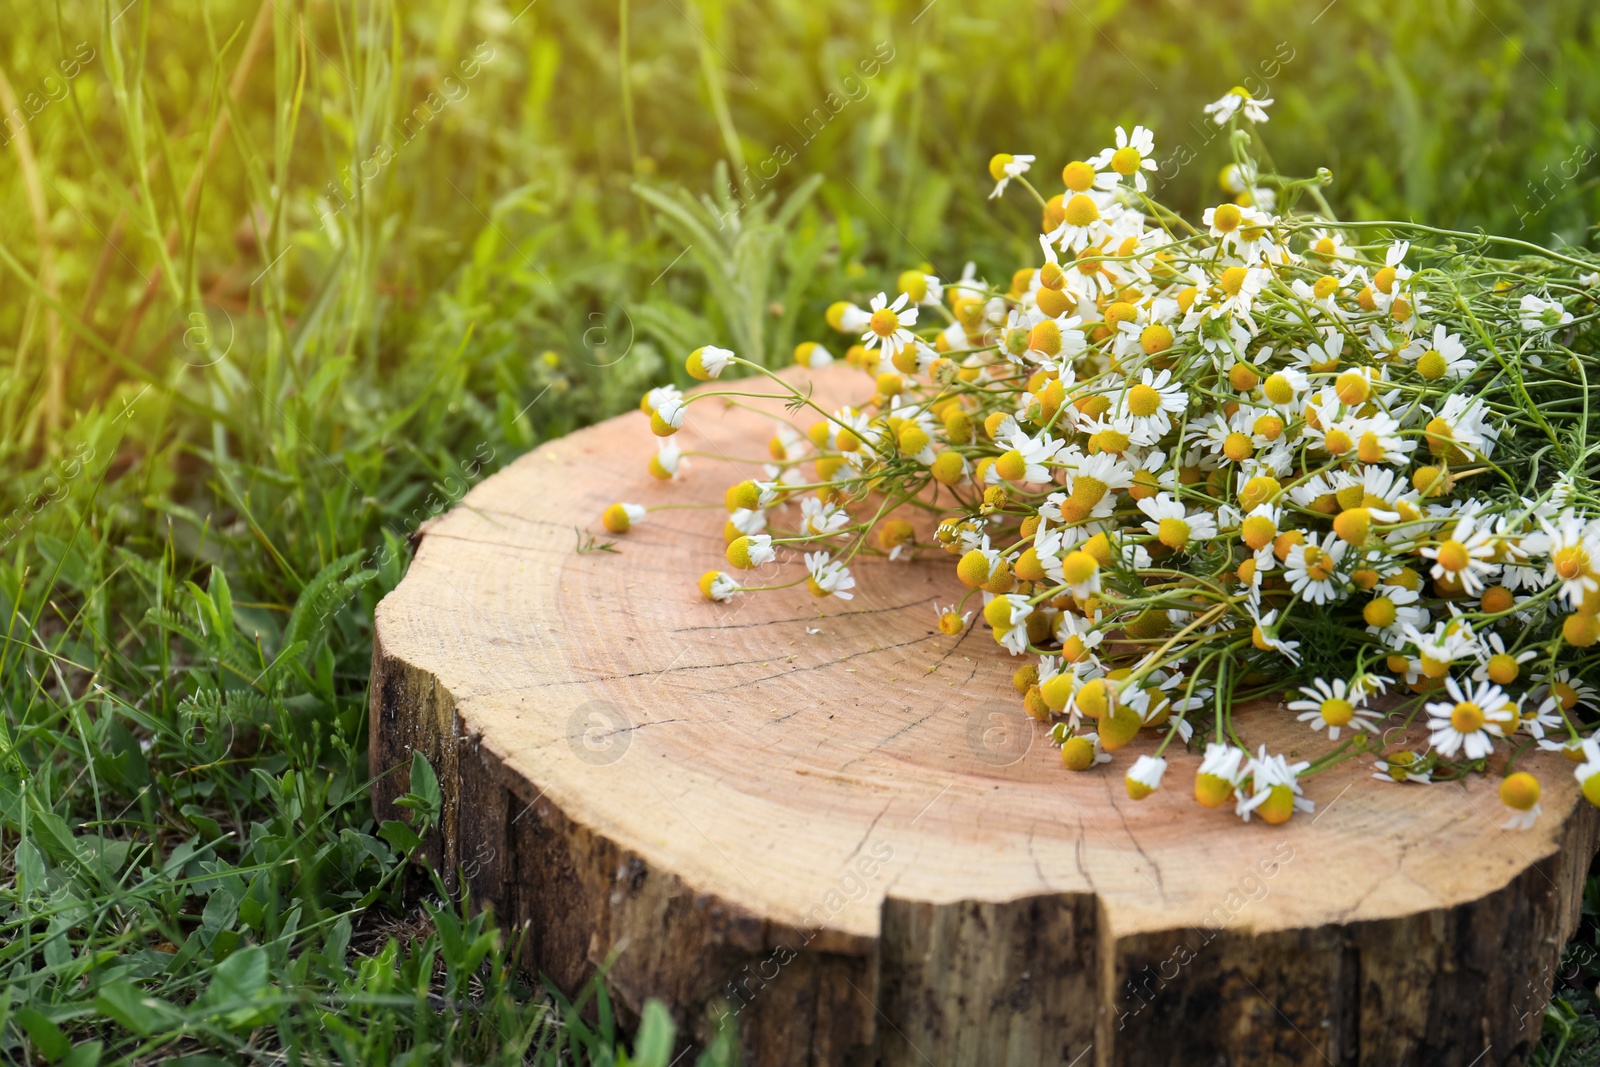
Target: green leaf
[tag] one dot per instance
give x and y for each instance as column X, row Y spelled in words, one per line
column 84, row 1055
column 238, row 979
column 400, row 836
column 653, row 1046
column 424, row 797
column 129, row 1006
column 222, row 597
column 45, row 1035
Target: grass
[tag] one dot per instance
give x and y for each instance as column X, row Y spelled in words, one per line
column 283, row 280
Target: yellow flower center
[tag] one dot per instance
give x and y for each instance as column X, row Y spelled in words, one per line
column 1093, row 698
column 1278, row 806
column 1268, row 426
column 1078, row 754
column 1325, row 246
column 1174, row 533
column 1325, row 287
column 1081, row 211
column 1232, row 280
column 1380, row 613
column 1353, row 525
column 1453, row 556
column 1503, row 669
column 1238, row 447
column 1212, row 791
column 1432, row 365
column 1078, row 567
column 1278, row 389
column 1143, row 400
column 1114, row 442
column 1398, row 764
column 1565, row 695
column 1336, row 712
column 884, row 322
column 1570, row 562
column 1337, row 442
column 1520, row 791
column 1120, row 311
column 1319, row 564
column 1088, row 491
column 1079, row 177
column 997, row 165
column 1126, row 160
column 1226, row 218
column 1467, row 717
column 1258, row 490
column 1257, row 531
column 1155, row 338
column 1370, row 448
column 1045, row 337
column 1011, row 466
column 1353, row 387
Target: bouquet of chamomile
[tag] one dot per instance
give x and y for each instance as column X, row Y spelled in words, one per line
column 1183, row 464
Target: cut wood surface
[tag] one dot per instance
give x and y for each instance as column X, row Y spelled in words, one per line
column 829, row 819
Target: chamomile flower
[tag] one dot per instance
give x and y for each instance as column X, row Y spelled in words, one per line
column 708, row 362
column 717, row 586
column 1328, row 243
column 828, row 577
column 1586, row 771
column 751, row 551
column 1541, row 718
column 1569, row 690
column 1403, row 766
column 1078, row 635
column 1085, row 219
column 1312, row 569
column 1471, row 719
column 887, row 328
column 1144, row 777
column 1003, row 167
column 1444, row 356
column 1462, row 429
column 1333, row 706
column 1542, row 315
column 1220, row 773
column 658, row 396
column 1079, row 751
column 1008, row 615
column 1465, row 556
column 667, row 418
column 1150, row 403
column 1573, row 546
column 1448, row 643
column 620, row 518
column 820, row 518
column 1131, row 157
column 1519, row 792
column 1265, row 635
column 1391, row 612
column 1275, row 792
column 950, row 623
column 1026, row 457
column 1236, row 99
column 667, row 461
column 1175, row 526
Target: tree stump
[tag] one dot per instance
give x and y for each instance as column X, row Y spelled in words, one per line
column 834, row 823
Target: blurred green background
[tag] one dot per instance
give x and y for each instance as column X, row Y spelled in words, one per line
column 283, row 279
